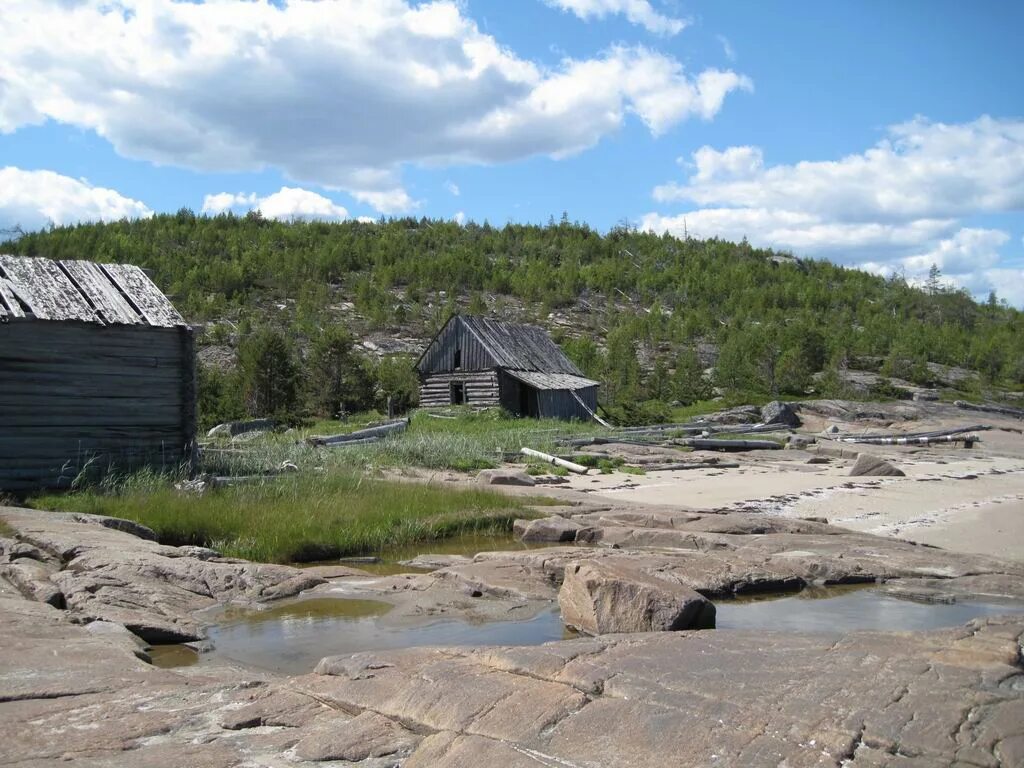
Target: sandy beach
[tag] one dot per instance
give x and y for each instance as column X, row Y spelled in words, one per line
column 965, row 500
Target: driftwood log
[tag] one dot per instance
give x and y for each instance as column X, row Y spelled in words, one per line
column 987, row 408
column 579, row 469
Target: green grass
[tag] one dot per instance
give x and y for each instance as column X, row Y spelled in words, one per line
column 470, row 441
column 302, row 518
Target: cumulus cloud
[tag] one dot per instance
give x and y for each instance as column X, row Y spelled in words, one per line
column 460, row 218
column 287, row 204
column 899, row 206
column 639, row 12
column 33, row 199
column 339, row 94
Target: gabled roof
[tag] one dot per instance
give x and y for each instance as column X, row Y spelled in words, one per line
column 519, row 347
column 515, row 347
column 81, row 291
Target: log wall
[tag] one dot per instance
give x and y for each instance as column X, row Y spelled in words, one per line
column 481, row 389
column 74, row 395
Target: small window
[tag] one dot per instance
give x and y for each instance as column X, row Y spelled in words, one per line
column 458, row 392
column 458, row 359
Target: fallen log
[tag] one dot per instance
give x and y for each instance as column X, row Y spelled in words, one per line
column 987, row 408
column 233, row 428
column 910, row 440
column 690, row 465
column 712, row 444
column 579, row 469
column 382, row 430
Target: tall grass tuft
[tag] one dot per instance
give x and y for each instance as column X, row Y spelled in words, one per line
column 298, row 518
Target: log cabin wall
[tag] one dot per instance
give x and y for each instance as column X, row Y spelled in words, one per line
column 480, row 389
column 77, row 394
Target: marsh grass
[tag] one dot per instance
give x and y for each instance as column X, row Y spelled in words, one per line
column 299, row 518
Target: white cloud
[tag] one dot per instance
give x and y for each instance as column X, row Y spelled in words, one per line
column 394, row 200
column 453, row 188
column 922, row 170
column 287, row 204
column 899, row 206
column 339, row 94
column 639, row 12
column 34, row 199
column 460, row 218
column 727, row 49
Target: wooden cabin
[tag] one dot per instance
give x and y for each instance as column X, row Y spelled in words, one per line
column 485, row 363
column 97, row 370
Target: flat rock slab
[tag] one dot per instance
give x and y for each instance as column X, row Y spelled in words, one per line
column 704, row 698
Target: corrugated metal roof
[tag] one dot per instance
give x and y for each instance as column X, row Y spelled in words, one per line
column 81, row 291
column 520, row 347
column 552, row 380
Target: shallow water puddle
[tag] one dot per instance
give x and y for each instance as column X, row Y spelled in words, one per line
column 844, row 609
column 291, row 638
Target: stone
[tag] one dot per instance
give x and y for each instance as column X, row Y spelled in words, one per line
column 605, row 597
column 799, row 442
column 819, row 460
column 504, row 477
column 868, row 465
column 777, row 412
column 552, row 528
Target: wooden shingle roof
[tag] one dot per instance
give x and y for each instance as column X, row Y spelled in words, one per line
column 81, row 291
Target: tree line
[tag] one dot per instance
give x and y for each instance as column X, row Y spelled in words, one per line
column 649, row 312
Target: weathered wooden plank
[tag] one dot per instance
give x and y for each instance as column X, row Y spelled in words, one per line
column 10, row 301
column 47, row 290
column 144, row 294
column 101, row 292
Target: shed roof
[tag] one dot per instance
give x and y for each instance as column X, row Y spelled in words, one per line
column 519, row 347
column 82, row 291
column 557, row 381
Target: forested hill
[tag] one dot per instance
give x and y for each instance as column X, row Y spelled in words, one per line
column 610, row 298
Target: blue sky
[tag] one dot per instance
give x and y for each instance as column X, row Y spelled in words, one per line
column 883, row 135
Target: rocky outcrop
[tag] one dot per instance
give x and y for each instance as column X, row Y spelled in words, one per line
column 603, row 597
column 777, row 412
column 102, row 569
column 868, row 465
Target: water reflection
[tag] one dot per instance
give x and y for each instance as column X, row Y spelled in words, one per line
column 844, row 609
column 291, row 638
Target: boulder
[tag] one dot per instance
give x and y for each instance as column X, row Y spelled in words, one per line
column 505, row 477
column 552, row 528
column 601, row 597
column 873, row 466
column 777, row 412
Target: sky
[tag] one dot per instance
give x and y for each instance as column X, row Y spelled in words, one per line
column 886, row 136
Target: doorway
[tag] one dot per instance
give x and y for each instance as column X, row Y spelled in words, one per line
column 458, row 393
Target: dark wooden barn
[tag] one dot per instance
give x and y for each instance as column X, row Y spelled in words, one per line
column 481, row 362
column 97, row 369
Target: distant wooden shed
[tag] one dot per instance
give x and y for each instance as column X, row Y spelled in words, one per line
column 97, row 369
column 482, row 362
